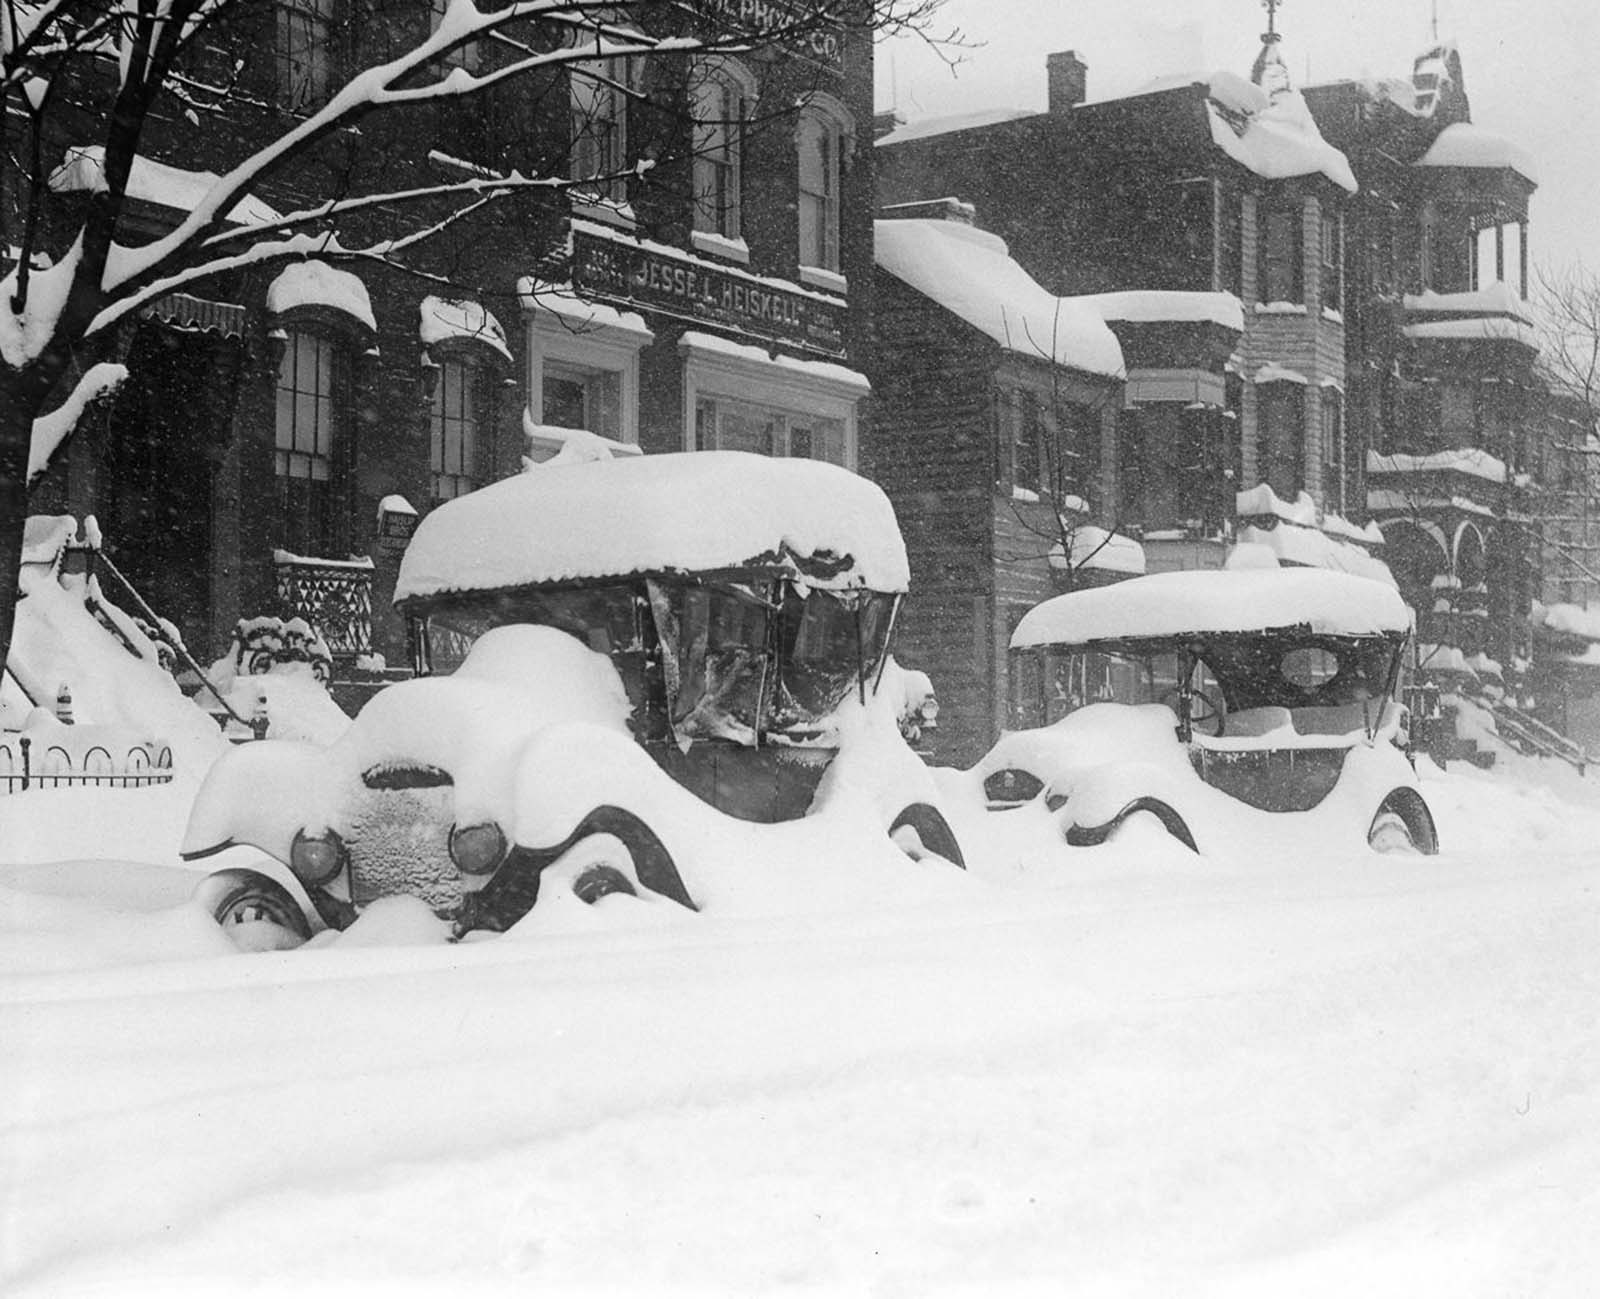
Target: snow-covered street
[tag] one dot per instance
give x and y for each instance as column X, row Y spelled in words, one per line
column 1121, row 1070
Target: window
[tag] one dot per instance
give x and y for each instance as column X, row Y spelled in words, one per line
column 730, row 424
column 463, row 56
column 719, row 96
column 1278, row 272
column 600, row 125
column 1333, row 453
column 459, row 452
column 306, row 444
column 820, row 139
column 1028, row 460
column 1458, row 413
column 583, row 396
column 1332, row 260
column 304, row 34
column 1280, row 437
column 1230, row 245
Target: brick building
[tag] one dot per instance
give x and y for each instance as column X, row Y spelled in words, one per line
column 995, row 410
column 281, row 424
column 1218, row 189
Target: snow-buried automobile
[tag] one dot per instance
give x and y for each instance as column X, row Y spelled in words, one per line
column 1238, row 708
column 729, row 614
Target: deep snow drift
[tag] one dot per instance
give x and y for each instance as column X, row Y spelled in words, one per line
column 1113, row 1071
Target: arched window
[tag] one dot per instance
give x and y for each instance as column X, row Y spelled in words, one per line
column 308, row 441
column 719, row 92
column 599, row 118
column 821, row 139
column 460, row 454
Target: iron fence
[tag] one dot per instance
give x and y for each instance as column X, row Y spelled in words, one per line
column 25, row 764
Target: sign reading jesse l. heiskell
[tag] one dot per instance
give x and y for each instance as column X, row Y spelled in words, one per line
column 656, row 279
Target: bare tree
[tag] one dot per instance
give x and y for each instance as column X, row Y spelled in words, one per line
column 100, row 72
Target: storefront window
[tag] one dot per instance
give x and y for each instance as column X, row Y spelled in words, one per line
column 583, row 397
column 727, row 424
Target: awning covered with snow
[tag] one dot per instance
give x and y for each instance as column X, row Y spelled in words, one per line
column 1313, row 548
column 683, row 512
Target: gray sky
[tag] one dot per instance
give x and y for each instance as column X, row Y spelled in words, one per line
column 1532, row 69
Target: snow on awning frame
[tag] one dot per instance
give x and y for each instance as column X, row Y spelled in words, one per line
column 312, row 285
column 447, row 323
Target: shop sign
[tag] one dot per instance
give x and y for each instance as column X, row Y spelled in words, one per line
column 801, row 30
column 655, row 279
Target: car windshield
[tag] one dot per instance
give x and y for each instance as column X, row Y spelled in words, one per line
column 602, row 617
column 770, row 659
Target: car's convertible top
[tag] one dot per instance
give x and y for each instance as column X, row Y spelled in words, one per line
column 690, row 512
column 1165, row 605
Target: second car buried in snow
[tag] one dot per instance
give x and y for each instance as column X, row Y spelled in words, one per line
column 1237, row 708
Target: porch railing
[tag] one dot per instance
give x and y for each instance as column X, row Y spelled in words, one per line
column 334, row 596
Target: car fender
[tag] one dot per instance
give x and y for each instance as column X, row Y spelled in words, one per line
column 261, row 794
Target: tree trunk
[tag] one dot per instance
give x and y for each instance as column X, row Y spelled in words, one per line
column 16, row 433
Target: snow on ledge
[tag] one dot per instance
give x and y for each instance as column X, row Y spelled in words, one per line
column 1272, row 372
column 578, row 314
column 853, row 382
column 569, row 445
column 1465, row 460
column 1162, row 306
column 448, row 319
column 316, row 284
column 83, row 169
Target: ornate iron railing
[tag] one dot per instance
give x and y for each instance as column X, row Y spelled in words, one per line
column 26, row 764
column 334, row 597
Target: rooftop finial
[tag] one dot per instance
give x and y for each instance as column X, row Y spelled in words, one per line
column 1269, row 36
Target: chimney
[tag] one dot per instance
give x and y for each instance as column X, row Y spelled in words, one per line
column 1068, row 78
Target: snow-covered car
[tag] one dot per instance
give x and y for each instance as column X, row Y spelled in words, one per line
column 728, row 613
column 1235, row 707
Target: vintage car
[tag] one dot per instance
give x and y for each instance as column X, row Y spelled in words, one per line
column 728, row 613
column 1261, row 704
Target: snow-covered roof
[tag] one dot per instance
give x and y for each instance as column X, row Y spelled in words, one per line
column 153, row 182
column 1262, row 500
column 692, row 511
column 942, row 125
column 1140, row 306
column 1171, row 604
column 970, row 273
column 316, row 284
column 1275, row 138
column 446, row 319
column 1569, row 618
column 1465, row 460
column 1465, row 144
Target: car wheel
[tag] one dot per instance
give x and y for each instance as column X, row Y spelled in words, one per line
column 1403, row 824
column 256, row 911
column 598, row 881
column 1090, row 836
column 921, row 830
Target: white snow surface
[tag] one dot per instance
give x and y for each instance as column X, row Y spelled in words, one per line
column 1165, row 604
column 1314, row 548
column 1168, row 305
column 682, row 511
column 970, row 273
column 924, row 127
column 314, row 283
column 1120, row 1071
column 1464, row 460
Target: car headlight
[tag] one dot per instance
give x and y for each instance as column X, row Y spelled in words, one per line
column 477, row 849
column 316, row 859
column 929, row 711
